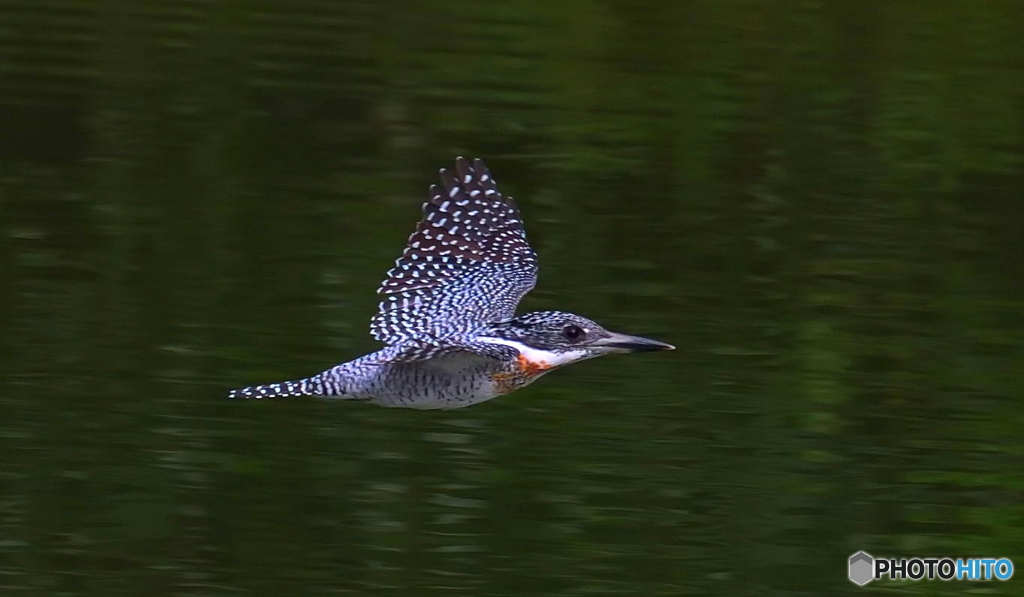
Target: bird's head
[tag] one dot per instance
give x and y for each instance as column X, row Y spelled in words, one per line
column 556, row 338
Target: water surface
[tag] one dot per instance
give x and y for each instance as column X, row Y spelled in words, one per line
column 818, row 203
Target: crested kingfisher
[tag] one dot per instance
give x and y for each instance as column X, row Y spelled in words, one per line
column 448, row 312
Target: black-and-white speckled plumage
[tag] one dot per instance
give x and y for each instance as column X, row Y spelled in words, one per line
column 468, row 262
column 447, row 314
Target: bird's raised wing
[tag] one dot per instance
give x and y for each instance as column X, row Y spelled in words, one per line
column 467, row 264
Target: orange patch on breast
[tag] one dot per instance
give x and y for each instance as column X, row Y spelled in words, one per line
column 526, row 371
column 532, row 368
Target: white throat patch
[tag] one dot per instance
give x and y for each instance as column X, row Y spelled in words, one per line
column 536, row 355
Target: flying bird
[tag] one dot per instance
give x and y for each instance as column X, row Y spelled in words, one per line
column 448, row 312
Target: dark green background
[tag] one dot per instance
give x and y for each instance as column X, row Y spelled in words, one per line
column 821, row 203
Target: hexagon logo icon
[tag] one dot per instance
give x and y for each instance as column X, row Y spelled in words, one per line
column 861, row 568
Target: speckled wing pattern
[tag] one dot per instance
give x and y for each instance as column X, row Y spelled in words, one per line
column 467, row 264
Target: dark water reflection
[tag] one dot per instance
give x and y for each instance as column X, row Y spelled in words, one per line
column 823, row 215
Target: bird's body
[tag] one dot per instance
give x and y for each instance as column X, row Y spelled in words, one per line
column 446, row 381
column 448, row 312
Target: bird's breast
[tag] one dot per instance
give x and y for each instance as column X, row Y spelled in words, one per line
column 524, row 370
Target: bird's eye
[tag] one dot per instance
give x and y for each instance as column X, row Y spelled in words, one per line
column 572, row 332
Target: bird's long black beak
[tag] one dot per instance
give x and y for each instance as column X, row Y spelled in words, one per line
column 626, row 343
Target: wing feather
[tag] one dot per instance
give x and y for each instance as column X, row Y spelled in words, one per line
column 467, row 263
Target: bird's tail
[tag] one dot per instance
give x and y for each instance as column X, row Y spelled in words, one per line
column 341, row 382
column 311, row 386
